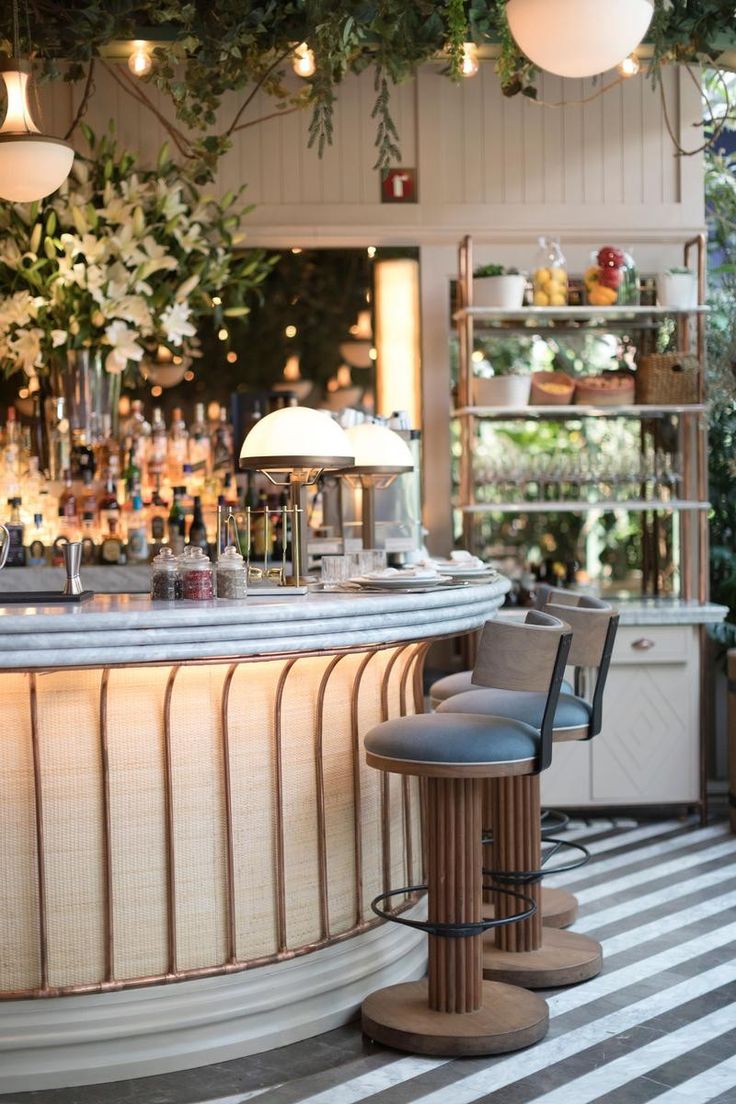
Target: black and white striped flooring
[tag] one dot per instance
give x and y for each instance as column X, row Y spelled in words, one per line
column 659, row 1024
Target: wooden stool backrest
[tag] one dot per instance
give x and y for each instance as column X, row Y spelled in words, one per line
column 526, row 655
column 594, row 624
column 545, row 594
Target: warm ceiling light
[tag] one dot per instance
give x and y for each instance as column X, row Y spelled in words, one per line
column 157, row 390
column 292, row 371
column 373, row 354
column 23, row 393
column 222, row 334
column 578, row 38
column 189, row 376
column 296, row 249
column 290, row 331
column 630, row 66
column 32, row 165
column 304, row 64
column 371, row 251
column 231, row 357
column 140, row 61
column 470, row 64
column 216, row 300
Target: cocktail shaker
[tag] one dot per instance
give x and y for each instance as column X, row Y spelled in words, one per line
column 72, row 561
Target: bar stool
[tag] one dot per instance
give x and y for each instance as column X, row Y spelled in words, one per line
column 559, row 907
column 454, row 1011
column 532, row 955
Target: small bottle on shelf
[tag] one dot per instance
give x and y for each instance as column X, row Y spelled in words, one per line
column 197, row 529
column 137, row 533
column 177, row 522
column 16, row 550
column 111, row 549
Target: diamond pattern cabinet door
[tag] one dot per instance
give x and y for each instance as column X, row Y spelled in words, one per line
column 568, row 780
column 647, row 752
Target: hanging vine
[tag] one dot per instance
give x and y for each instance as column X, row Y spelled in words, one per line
column 203, row 51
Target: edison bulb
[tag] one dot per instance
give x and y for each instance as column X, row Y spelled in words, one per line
column 630, row 66
column 470, row 63
column 140, row 61
column 304, row 64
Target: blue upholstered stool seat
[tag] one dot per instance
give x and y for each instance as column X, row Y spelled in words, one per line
column 461, row 681
column 571, row 712
column 453, row 738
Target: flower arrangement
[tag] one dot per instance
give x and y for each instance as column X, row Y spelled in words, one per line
column 121, row 259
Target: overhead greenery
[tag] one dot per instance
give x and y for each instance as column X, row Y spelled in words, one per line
column 205, row 50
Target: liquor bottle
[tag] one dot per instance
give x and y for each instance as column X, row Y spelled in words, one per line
column 223, row 445
column 37, row 538
column 139, row 430
column 137, row 533
column 16, row 552
column 111, row 549
column 68, row 502
column 89, row 502
column 200, row 452
column 177, row 522
column 108, row 505
column 157, row 513
column 88, row 532
column 159, row 446
column 132, row 471
column 178, row 445
column 10, row 466
column 197, row 529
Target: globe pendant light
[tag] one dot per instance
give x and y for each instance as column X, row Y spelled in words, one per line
column 32, row 165
column 578, row 38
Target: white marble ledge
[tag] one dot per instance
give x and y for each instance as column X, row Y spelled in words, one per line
column 114, row 629
column 657, row 611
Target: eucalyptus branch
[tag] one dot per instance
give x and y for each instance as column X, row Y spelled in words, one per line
column 84, row 102
column 254, row 91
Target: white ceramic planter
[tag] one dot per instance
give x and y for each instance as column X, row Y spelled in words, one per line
column 505, row 292
column 502, row 391
column 678, row 290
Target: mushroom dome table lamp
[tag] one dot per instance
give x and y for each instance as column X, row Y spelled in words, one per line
column 292, row 447
column 380, row 455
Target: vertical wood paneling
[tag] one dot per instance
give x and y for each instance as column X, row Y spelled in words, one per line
column 609, row 159
column 613, row 153
column 492, row 136
column 553, row 155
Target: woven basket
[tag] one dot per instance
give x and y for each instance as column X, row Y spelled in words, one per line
column 668, row 378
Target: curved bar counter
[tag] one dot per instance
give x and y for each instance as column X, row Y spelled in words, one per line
column 183, row 798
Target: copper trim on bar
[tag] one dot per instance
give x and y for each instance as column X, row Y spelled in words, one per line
column 227, row 786
column 169, row 812
column 385, row 777
column 357, row 789
column 40, row 847
column 319, row 769
column 279, row 792
column 107, row 830
column 205, row 971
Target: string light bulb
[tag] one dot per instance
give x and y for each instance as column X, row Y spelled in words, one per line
column 304, row 64
column 470, row 63
column 140, row 61
column 630, row 66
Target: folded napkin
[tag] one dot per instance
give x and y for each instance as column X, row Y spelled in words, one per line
column 465, row 559
column 419, row 571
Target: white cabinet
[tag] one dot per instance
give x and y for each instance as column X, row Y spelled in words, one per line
column 648, row 751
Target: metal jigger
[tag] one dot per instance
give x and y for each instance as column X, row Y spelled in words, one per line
column 72, row 561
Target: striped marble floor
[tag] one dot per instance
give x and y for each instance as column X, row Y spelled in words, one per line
column 659, row 1024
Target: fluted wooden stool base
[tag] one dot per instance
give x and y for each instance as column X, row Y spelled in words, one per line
column 564, row 958
column 559, row 907
column 508, row 1019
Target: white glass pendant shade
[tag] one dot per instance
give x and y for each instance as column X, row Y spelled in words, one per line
column 296, row 437
column 578, row 38
column 32, row 165
column 378, row 449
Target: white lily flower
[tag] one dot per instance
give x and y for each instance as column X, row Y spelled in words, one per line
column 58, row 338
column 175, row 323
column 25, row 349
column 124, row 344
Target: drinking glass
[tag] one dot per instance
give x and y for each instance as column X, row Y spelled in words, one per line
column 335, row 570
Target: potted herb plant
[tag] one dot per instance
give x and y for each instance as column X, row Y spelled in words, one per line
column 677, row 288
column 503, row 376
column 496, row 286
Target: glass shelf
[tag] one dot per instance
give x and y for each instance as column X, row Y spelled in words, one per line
column 633, row 505
column 633, row 410
column 550, row 315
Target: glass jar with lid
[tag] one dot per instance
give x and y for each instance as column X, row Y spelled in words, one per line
column 549, row 278
column 165, row 578
column 612, row 278
column 231, row 575
column 197, row 576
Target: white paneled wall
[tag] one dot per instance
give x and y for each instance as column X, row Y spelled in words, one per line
column 595, row 168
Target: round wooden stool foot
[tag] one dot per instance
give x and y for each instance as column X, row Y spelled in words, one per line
column 559, row 908
column 509, row 1019
column 564, row 958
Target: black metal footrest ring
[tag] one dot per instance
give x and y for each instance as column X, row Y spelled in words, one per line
column 529, row 877
column 452, row 931
column 554, row 821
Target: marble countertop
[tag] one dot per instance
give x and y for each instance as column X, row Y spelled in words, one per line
column 657, row 611
column 113, row 629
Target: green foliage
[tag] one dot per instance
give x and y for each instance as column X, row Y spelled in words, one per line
column 206, row 50
column 720, row 194
column 489, row 270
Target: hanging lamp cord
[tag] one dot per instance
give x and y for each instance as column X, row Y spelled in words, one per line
column 16, row 31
